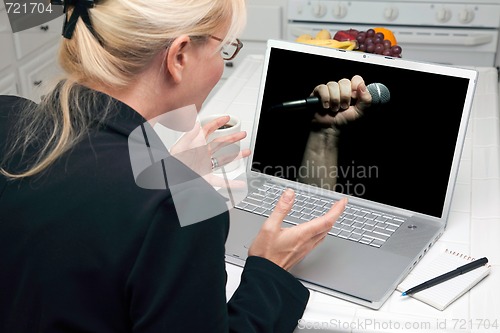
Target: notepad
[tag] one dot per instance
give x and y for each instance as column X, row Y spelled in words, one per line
column 443, row 294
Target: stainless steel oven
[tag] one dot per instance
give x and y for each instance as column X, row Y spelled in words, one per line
column 444, row 31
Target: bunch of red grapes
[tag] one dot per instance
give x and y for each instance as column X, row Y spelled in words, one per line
column 370, row 41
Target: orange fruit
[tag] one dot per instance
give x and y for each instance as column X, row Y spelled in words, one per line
column 388, row 34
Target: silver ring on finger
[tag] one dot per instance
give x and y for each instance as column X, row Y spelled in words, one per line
column 215, row 163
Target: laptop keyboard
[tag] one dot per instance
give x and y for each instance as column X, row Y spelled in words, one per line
column 355, row 224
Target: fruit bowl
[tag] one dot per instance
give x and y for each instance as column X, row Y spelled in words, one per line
column 378, row 40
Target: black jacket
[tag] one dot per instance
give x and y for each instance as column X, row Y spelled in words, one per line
column 84, row 249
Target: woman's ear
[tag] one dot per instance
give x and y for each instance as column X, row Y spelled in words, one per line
column 177, row 56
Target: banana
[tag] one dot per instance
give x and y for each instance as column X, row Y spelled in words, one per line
column 353, row 45
column 303, row 38
column 345, row 45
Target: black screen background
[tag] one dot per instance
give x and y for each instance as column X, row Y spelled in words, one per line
column 401, row 153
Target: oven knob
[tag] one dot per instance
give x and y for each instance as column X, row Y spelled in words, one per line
column 339, row 11
column 466, row 16
column 318, row 10
column 443, row 15
column 391, row 13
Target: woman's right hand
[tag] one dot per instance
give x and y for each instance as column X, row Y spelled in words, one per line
column 194, row 151
column 288, row 246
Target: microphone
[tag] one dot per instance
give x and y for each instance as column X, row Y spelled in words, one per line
column 380, row 95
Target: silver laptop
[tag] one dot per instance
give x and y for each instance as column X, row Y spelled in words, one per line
column 397, row 165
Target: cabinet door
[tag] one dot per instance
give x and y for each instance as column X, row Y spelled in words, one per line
column 33, row 39
column 4, row 19
column 7, row 53
column 6, row 56
column 39, row 74
column 8, row 84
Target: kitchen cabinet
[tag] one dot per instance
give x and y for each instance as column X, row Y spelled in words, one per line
column 30, row 56
column 28, row 60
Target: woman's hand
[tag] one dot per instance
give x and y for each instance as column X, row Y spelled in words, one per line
column 336, row 98
column 288, row 246
column 193, row 150
column 223, row 141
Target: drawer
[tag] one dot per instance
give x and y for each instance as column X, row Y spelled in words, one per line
column 29, row 40
column 39, row 74
column 8, row 84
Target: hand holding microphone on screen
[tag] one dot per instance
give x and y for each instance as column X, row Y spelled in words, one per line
column 332, row 101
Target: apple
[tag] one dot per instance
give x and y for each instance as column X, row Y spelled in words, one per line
column 353, row 32
column 343, row 35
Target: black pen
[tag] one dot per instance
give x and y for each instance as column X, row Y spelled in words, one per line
column 446, row 276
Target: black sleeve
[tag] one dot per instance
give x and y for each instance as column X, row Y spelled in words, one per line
column 269, row 299
column 178, row 284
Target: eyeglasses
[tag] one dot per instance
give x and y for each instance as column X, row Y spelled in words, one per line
column 229, row 50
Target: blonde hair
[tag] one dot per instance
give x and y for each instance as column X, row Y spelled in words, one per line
column 131, row 33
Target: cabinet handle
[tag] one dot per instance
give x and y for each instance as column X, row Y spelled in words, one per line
column 44, row 27
column 37, row 83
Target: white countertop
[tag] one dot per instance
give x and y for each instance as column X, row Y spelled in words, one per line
column 473, row 227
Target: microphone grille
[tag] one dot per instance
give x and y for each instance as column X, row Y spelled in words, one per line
column 380, row 93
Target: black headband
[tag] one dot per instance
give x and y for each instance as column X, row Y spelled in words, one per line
column 80, row 10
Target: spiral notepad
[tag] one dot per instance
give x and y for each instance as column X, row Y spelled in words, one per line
column 443, row 294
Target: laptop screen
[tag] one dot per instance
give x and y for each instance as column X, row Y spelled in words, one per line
column 399, row 154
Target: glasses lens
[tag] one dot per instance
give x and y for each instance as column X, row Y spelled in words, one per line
column 228, row 50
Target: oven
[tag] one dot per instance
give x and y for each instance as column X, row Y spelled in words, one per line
column 451, row 32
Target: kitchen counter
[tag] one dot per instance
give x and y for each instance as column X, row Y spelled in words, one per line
column 473, row 227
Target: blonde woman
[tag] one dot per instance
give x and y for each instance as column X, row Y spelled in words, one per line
column 82, row 247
